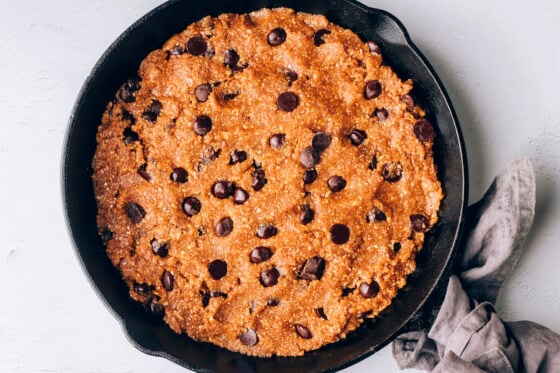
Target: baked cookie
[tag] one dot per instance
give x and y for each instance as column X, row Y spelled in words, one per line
column 265, row 182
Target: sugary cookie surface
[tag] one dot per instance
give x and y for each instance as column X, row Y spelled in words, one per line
column 265, row 182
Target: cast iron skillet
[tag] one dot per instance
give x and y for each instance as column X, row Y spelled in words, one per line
column 122, row 60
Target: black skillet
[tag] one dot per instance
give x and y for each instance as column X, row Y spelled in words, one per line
column 152, row 336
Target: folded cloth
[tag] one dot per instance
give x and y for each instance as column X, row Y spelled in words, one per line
column 467, row 334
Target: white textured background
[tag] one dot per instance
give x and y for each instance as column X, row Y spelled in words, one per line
column 499, row 60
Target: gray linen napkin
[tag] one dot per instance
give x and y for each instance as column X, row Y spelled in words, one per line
column 467, row 334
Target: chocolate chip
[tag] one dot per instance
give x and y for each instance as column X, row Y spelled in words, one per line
column 312, row 269
column 130, row 136
column 340, row 234
column 127, row 91
column 396, row 246
column 106, row 236
column 142, row 289
column 210, row 155
column 320, row 141
column 231, row 58
column 381, row 114
column 259, row 179
column 419, row 223
column 157, row 309
column 373, row 163
column 374, row 47
column 196, row 46
column 272, row 302
column 318, row 37
column 292, row 76
column 217, row 269
column 133, row 84
column 269, row 277
column 202, row 92
column 159, row 249
column 277, row 36
column 135, row 212
column 392, row 172
column 265, row 231
column 302, row 331
column 277, row 141
column 239, row 68
column 260, row 254
column 237, row 156
column 306, row 215
column 249, row 338
column 230, row 96
column 409, row 101
column 309, row 157
column 309, row 176
column 372, row 89
column 176, row 50
column 363, row 315
column 424, row 131
column 167, row 280
column 222, row 189
column 143, row 173
column 375, row 215
column 336, row 183
column 191, row 206
column 347, row 291
column 224, row 227
column 126, row 95
column 205, row 298
column 369, row 290
column 202, row 125
column 152, row 112
column 179, row 175
column 127, row 116
column 240, row 196
column 321, row 313
column 357, row 137
column 287, row 101
column 217, row 294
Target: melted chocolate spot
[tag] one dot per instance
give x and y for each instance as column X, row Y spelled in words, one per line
column 249, row 338
column 372, row 89
column 191, row 206
column 336, row 183
column 392, row 172
column 287, row 101
column 217, row 269
column 260, row 254
column 277, row 36
column 309, row 157
column 420, row 223
column 224, row 227
column 266, row 231
column 318, row 37
column 340, row 234
column 269, row 277
column 302, row 331
column 312, row 269
column 369, row 290
column 168, row 280
column 196, row 46
column 135, row 212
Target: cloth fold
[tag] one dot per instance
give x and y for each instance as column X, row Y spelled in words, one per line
column 467, row 334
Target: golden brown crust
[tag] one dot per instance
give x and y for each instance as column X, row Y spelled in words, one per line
column 138, row 133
